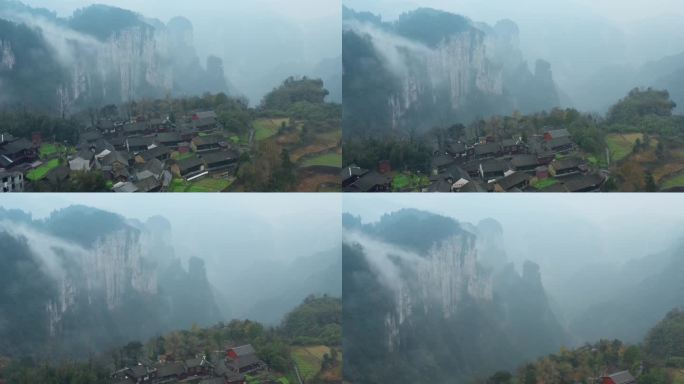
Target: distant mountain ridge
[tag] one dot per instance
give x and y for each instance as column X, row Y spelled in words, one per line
column 432, row 68
column 99, row 55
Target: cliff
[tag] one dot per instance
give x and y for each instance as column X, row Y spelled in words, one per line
column 103, row 55
column 109, row 280
column 418, row 295
column 435, row 68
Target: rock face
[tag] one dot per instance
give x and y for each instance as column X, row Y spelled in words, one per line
column 110, row 280
column 109, row 55
column 437, row 68
column 417, row 294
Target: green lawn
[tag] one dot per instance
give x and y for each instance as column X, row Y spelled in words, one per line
column 541, row 184
column 403, row 182
column 206, row 184
column 330, row 160
column 40, row 172
column 266, row 128
column 671, row 182
column 48, row 149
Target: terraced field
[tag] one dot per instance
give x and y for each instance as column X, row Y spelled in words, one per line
column 204, row 185
column 328, row 160
column 621, row 145
column 309, row 359
column 267, row 128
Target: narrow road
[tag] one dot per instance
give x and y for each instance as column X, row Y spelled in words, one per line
column 297, row 372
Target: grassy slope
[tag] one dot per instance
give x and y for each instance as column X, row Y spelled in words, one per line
column 40, row 172
column 266, row 128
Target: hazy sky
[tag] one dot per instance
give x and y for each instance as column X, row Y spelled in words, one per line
column 261, row 41
column 254, row 226
column 618, row 11
column 561, row 232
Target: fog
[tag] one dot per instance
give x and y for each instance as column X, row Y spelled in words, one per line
column 569, row 236
column 261, row 42
column 249, row 242
column 582, row 39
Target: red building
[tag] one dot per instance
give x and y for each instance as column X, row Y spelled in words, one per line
column 622, row 377
column 384, row 167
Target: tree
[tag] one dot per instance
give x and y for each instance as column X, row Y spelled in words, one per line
column 650, row 183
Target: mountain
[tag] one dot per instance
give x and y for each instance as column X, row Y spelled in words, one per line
column 644, row 297
column 613, row 82
column 420, row 306
column 100, row 55
column 83, row 280
column 433, row 68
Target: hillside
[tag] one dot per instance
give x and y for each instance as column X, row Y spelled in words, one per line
column 278, row 349
column 659, row 359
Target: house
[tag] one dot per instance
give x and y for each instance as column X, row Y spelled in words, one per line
column 205, row 124
column 564, row 167
column 115, row 164
column 139, row 143
column 524, row 163
column 440, row 184
column 11, row 182
column 119, row 142
column 456, row 149
column 622, row 377
column 487, row 151
column 384, row 166
column 243, row 360
column 584, row 183
column 541, row 172
column 510, row 147
column 556, row 134
column 188, row 168
column 161, row 153
column 154, row 168
column 149, row 184
column 516, row 180
column 470, row 187
column 169, row 139
column 492, row 169
column 17, row 152
column 82, row 161
column 441, row 162
column 198, row 367
column 350, row 174
column 187, row 132
column 560, row 145
column 371, row 182
column 203, row 115
column 156, row 124
column 89, row 137
column 124, row 187
column 207, row 143
column 167, row 371
column 134, row 129
column 220, row 160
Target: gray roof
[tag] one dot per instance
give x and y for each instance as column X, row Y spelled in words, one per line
column 127, row 187
column 207, row 140
column 243, row 361
column 140, row 140
column 557, row 133
column 559, row 142
column 155, row 152
column 513, row 180
column 169, row 137
column 566, row 163
column 170, row 369
column 148, row 184
column 484, row 149
column 189, row 163
column 524, row 160
column 205, row 114
column 494, row 166
column 351, row 171
column 218, row 156
column 369, row 181
column 623, row 377
column 16, row 146
column 244, row 350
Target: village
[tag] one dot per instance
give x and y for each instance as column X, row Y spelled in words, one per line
column 236, row 365
column 144, row 155
column 549, row 162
